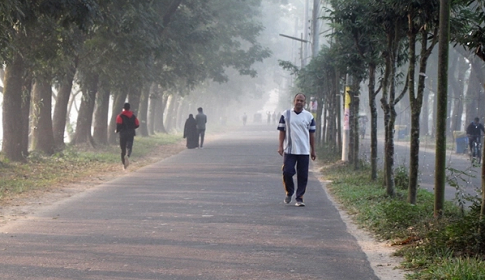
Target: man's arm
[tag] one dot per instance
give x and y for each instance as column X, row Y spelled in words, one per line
column 281, row 141
column 313, row 153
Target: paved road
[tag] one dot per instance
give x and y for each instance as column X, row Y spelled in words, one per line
column 469, row 183
column 214, row 213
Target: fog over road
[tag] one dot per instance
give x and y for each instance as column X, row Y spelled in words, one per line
column 212, row 213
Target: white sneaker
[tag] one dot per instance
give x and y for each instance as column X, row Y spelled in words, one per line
column 300, row 204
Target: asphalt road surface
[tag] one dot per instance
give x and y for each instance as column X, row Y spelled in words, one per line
column 212, row 213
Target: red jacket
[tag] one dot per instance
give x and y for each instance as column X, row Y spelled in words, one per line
column 126, row 121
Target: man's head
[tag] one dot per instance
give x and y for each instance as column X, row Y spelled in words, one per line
column 477, row 120
column 126, row 106
column 299, row 102
column 199, row 109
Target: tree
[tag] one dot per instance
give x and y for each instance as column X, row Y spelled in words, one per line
column 423, row 21
column 26, row 17
column 444, row 39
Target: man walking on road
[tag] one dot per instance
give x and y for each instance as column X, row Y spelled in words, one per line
column 126, row 123
column 201, row 119
column 296, row 145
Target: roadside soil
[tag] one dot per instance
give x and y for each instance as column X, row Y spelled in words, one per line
column 27, row 204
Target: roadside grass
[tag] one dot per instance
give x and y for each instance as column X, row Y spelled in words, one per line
column 452, row 247
column 41, row 172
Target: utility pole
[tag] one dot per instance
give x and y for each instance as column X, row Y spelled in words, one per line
column 315, row 29
column 305, row 32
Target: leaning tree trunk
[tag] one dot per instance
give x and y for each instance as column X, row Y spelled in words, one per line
column 85, row 115
column 12, row 105
column 60, row 108
column 100, row 131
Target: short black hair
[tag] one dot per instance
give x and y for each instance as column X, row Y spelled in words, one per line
column 199, row 109
column 477, row 119
column 299, row 94
column 126, row 106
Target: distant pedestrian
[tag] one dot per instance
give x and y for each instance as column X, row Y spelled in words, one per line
column 296, row 144
column 126, row 123
column 201, row 119
column 244, row 118
column 474, row 132
column 190, row 132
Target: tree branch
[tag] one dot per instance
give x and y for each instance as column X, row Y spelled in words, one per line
column 403, row 92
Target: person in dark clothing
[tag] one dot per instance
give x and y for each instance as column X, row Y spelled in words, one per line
column 201, row 119
column 126, row 123
column 474, row 131
column 190, row 132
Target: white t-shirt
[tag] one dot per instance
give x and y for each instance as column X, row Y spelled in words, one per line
column 298, row 128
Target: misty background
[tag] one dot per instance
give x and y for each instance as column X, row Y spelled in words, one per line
column 273, row 88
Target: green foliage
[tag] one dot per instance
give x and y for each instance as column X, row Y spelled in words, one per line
column 452, row 247
column 401, row 177
column 459, row 179
column 455, row 269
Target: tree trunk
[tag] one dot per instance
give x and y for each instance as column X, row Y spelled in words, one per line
column 387, row 103
column 85, row 116
column 457, row 84
column 12, row 105
column 373, row 120
column 355, row 121
column 161, row 105
column 100, row 131
column 171, row 112
column 134, row 99
column 415, row 112
column 60, row 108
column 25, row 111
column 42, row 133
column 143, row 111
column 474, row 106
column 416, row 105
column 152, row 105
column 424, row 126
column 440, row 160
column 118, row 102
column 2, row 76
